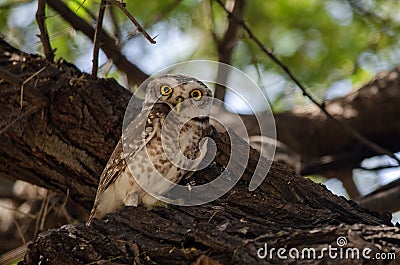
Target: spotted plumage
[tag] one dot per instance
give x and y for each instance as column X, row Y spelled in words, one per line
column 172, row 123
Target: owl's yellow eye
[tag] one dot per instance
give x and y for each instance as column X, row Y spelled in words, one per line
column 195, row 94
column 165, row 90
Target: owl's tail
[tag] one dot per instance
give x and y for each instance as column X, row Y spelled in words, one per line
column 92, row 215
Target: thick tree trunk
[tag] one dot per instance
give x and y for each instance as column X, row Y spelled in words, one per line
column 65, row 144
column 62, row 138
column 181, row 236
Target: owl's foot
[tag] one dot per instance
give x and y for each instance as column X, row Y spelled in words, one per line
column 131, row 199
column 150, row 202
column 161, row 204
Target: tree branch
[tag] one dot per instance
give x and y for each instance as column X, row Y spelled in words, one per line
column 115, row 23
column 386, row 198
column 226, row 45
column 134, row 74
column 71, row 136
column 356, row 135
column 67, row 150
column 35, row 95
column 179, row 236
column 134, row 21
column 44, row 36
column 97, row 37
column 373, row 110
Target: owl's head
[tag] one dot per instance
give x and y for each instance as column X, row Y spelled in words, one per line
column 181, row 93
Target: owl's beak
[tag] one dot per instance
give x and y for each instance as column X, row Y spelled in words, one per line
column 178, row 105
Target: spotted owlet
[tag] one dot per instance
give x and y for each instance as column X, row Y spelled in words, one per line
column 174, row 116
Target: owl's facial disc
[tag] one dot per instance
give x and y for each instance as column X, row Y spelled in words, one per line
column 181, row 94
column 173, row 100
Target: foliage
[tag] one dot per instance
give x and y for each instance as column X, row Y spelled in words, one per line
column 321, row 41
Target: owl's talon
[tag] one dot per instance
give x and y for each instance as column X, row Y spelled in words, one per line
column 161, row 204
column 132, row 199
column 150, row 202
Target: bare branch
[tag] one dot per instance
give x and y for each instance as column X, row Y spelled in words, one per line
column 356, row 135
column 13, row 255
column 36, row 96
column 386, row 198
column 97, row 37
column 26, row 81
column 44, row 35
column 134, row 21
column 83, row 7
column 135, row 75
column 227, row 43
column 255, row 63
column 114, row 20
column 212, row 22
column 80, row 5
column 20, row 233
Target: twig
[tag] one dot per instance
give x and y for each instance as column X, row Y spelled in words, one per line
column 35, row 95
column 62, row 210
column 97, row 37
column 63, row 32
column 138, row 26
column 66, row 200
column 45, row 212
column 259, row 76
column 113, row 52
column 10, row 257
column 226, row 44
column 21, row 234
column 210, row 13
column 41, row 215
column 44, row 35
column 80, row 5
column 17, row 211
column 106, row 67
column 114, row 21
column 356, row 135
column 26, row 81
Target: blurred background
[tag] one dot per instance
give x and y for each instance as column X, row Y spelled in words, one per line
column 334, row 47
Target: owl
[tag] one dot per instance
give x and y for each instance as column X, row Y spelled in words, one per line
column 160, row 141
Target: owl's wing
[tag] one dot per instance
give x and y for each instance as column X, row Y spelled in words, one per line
column 112, row 169
column 137, row 137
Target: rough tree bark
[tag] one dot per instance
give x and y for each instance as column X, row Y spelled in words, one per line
column 63, row 141
column 65, row 144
